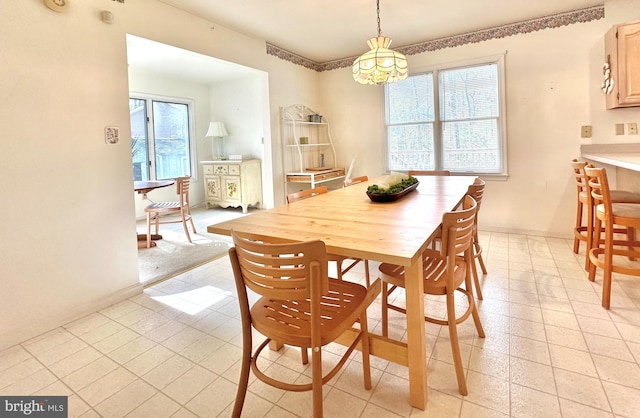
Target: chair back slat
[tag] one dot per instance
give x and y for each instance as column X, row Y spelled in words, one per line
column 182, row 186
column 304, row 194
column 355, row 180
column 457, row 228
column 476, row 190
column 579, row 175
column 281, row 271
column 598, row 187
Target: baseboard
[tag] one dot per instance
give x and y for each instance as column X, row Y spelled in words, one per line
column 548, row 234
column 26, row 332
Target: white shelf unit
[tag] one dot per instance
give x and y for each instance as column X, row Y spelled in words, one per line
column 311, row 161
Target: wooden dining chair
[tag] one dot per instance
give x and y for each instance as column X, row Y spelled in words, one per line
column 338, row 259
column 608, row 215
column 172, row 210
column 476, row 190
column 429, row 173
column 355, row 180
column 583, row 230
column 299, row 305
column 445, row 269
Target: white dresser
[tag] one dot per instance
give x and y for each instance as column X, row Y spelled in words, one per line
column 232, row 183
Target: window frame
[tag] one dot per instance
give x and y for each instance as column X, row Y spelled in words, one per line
column 498, row 60
column 190, row 103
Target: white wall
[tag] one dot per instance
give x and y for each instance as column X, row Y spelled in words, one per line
column 553, row 87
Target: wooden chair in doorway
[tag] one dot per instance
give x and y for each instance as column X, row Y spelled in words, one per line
column 339, row 260
column 355, row 180
column 609, row 214
column 178, row 211
column 444, row 272
column 300, row 306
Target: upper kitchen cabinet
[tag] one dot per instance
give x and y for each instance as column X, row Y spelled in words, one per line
column 622, row 66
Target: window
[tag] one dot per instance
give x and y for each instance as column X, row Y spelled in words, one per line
column 161, row 141
column 461, row 128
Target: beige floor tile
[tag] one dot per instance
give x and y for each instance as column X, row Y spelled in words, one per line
column 573, row 360
column 441, row 376
column 107, row 385
column 351, row 380
column 598, row 326
column 60, row 351
column 189, row 384
column 528, row 349
column 439, row 405
column 487, row 391
column 221, row 359
column 608, row 347
column 168, row 371
column 528, row 329
column 339, row 404
column 565, row 337
column 148, row 360
column 202, row 348
column 489, row 362
column 629, row 332
column 116, row 340
column 527, row 402
column 560, row 319
column 88, row 374
column 278, row 412
column 47, row 341
column 582, row 389
column 269, row 392
column 75, row 361
column 214, row 398
column 131, row 350
column 527, row 312
column 624, row 400
column 572, row 409
column 30, row 384
column 532, row 375
column 618, row 371
column 392, row 393
column 158, row 406
column 126, row 400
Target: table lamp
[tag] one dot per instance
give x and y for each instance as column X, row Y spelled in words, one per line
column 217, row 131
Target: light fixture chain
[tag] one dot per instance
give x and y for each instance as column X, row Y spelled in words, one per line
column 378, row 12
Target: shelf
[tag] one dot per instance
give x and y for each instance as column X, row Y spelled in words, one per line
column 302, row 122
column 324, row 144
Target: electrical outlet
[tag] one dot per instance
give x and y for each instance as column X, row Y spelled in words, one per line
column 585, row 131
column 632, row 128
column 619, row 128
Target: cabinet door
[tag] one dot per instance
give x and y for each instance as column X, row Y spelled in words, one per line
column 629, row 64
column 212, row 187
column 232, row 189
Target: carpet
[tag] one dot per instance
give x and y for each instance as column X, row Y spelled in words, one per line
column 174, row 255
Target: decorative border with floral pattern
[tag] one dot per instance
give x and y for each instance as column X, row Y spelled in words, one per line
column 527, row 26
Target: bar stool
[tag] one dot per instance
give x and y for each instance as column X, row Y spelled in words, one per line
column 608, row 214
column 583, row 232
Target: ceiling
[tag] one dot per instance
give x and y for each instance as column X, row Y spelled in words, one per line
column 325, row 30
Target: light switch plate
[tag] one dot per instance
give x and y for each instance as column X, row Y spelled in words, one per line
column 632, row 128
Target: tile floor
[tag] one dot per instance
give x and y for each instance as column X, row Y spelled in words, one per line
column 174, row 351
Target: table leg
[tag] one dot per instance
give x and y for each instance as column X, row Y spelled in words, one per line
column 416, row 340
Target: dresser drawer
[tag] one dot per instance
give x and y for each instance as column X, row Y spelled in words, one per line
column 221, row 169
column 207, row 169
column 234, row 169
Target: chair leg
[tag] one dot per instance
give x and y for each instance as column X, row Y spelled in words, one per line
column 576, row 240
column 366, row 362
column 305, row 355
column 366, row 273
column 608, row 266
column 243, row 383
column 385, row 308
column 476, row 280
column 478, row 252
column 455, row 345
column 316, row 382
column 148, row 229
column 595, row 244
column 631, row 236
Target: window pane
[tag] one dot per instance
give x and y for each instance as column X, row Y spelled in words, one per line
column 171, row 133
column 471, row 146
column 410, row 147
column 411, row 100
column 469, row 93
column 139, row 140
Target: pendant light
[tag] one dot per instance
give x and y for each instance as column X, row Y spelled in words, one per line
column 380, row 64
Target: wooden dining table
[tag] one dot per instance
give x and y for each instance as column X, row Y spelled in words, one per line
column 350, row 224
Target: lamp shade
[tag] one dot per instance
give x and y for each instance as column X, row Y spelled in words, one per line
column 217, row 130
column 380, row 64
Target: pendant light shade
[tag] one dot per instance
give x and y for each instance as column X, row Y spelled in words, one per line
column 380, row 64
